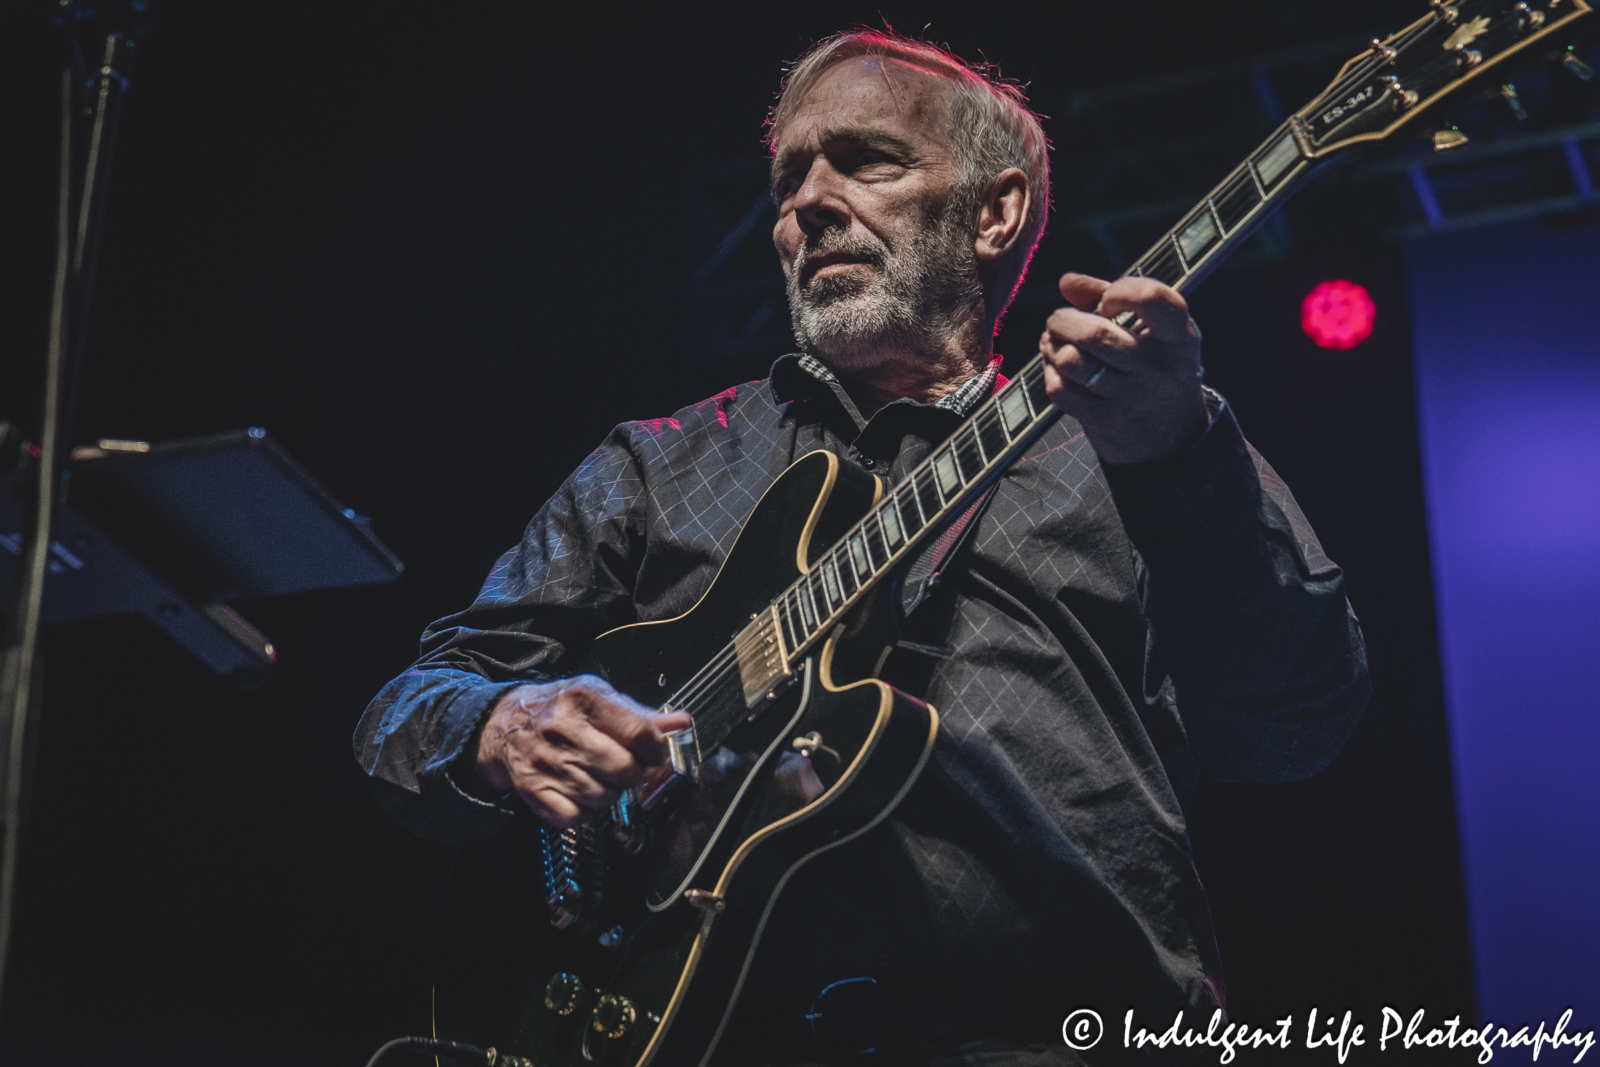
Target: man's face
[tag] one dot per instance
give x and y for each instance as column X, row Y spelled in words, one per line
column 864, row 178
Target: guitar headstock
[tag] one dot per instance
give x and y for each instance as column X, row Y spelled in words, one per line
column 1401, row 84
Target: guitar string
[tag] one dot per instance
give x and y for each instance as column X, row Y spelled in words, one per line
column 708, row 674
column 714, row 676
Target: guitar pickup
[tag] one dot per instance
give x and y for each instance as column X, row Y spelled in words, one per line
column 763, row 660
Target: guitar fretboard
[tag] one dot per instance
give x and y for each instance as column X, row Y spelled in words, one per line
column 981, row 447
column 1227, row 215
column 1007, row 423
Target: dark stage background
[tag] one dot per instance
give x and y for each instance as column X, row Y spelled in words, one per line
column 438, row 250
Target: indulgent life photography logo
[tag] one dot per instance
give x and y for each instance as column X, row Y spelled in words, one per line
column 1339, row 1035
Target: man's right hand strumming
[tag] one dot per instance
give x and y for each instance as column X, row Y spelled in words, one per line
column 571, row 746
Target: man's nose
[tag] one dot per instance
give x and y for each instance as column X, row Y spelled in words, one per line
column 819, row 204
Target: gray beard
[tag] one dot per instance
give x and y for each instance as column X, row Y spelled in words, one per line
column 916, row 301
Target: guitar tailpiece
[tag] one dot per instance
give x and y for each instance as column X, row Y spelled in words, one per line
column 562, row 892
column 573, row 863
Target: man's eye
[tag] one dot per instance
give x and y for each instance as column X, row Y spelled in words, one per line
column 871, row 159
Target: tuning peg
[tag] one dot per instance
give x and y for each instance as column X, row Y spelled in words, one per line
column 1403, row 97
column 1575, row 66
column 1444, row 140
column 1531, row 19
column 1508, row 93
column 1446, row 13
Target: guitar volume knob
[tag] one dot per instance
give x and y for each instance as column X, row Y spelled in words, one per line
column 613, row 1015
column 563, row 993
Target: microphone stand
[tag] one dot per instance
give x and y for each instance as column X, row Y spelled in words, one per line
column 92, row 100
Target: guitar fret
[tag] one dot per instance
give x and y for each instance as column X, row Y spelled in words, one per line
column 877, row 553
column 1032, row 377
column 1238, row 199
column 991, row 434
column 914, row 518
column 1162, row 264
column 1183, row 263
column 969, row 460
column 1255, row 176
column 808, row 610
column 786, row 613
column 928, row 500
column 977, row 438
column 849, row 580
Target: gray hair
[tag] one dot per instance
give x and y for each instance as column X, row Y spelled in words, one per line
column 991, row 129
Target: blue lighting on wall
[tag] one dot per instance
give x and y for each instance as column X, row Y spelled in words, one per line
column 1506, row 326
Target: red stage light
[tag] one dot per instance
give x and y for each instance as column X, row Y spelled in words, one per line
column 1338, row 314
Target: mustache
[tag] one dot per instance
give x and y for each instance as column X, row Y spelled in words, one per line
column 842, row 243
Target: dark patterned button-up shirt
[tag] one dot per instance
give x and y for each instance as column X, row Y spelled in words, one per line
column 1108, row 635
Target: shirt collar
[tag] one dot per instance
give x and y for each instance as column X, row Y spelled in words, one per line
column 791, row 373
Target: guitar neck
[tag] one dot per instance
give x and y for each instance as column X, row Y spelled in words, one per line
column 1009, row 422
column 1228, row 214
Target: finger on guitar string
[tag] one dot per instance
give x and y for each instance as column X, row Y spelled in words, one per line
column 1132, row 384
column 1161, row 309
column 1084, row 350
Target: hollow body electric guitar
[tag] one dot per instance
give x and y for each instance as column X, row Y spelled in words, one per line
column 659, row 904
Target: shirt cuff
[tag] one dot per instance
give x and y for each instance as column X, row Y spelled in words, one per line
column 460, row 770
column 413, row 758
column 1202, row 492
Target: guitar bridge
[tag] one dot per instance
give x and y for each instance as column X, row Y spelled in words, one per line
column 682, row 770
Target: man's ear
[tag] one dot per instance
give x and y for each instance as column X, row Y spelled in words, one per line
column 1001, row 214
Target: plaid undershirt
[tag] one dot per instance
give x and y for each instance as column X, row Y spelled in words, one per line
column 973, row 391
